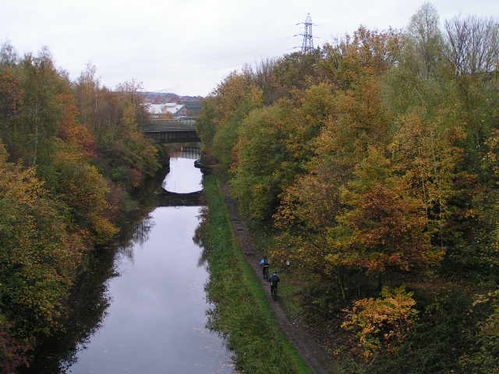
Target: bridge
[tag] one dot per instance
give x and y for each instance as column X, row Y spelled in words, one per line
column 171, row 130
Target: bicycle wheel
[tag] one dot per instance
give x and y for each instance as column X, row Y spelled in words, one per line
column 266, row 273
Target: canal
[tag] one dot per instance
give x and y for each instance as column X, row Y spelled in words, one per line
column 155, row 314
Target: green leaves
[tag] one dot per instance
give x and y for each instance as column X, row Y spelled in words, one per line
column 55, row 211
column 376, row 161
column 37, row 252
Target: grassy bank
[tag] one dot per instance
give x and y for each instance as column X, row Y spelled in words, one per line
column 242, row 311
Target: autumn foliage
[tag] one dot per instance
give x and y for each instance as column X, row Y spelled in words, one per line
column 61, row 145
column 370, row 163
column 382, row 323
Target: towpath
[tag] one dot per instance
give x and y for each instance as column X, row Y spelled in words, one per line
column 316, row 357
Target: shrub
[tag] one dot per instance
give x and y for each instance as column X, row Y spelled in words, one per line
column 382, row 323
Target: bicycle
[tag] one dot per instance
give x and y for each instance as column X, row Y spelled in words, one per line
column 266, row 272
column 273, row 291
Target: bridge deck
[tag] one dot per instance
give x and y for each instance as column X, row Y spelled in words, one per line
column 169, row 125
column 171, row 131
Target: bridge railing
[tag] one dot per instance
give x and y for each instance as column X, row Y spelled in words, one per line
column 171, row 130
column 173, row 136
column 169, row 125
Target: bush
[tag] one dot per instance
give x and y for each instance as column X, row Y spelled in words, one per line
column 384, row 323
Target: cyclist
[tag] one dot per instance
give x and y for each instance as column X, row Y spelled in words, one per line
column 264, row 263
column 274, row 280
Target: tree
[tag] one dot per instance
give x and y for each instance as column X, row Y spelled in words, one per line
column 11, row 95
column 39, row 253
column 383, row 224
column 124, row 155
column 206, row 123
column 235, row 98
column 472, row 44
column 261, row 169
column 427, row 38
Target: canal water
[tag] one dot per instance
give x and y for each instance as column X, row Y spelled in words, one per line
column 156, row 319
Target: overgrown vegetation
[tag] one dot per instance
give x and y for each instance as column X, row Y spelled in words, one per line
column 372, row 165
column 70, row 154
column 240, row 307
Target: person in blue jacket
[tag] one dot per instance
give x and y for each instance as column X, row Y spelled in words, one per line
column 264, row 263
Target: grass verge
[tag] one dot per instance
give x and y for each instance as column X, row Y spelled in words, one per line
column 241, row 309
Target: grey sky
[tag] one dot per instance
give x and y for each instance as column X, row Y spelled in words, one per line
column 189, row 46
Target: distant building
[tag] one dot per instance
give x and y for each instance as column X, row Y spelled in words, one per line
column 164, row 110
column 160, row 105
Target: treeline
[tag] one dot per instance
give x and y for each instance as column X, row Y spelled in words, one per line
column 373, row 161
column 70, row 155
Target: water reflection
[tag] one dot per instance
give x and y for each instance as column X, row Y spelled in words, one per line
column 199, row 235
column 141, row 306
column 156, row 321
column 183, row 176
column 189, row 151
column 87, row 306
column 90, row 298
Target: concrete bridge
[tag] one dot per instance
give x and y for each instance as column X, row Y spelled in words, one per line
column 171, row 130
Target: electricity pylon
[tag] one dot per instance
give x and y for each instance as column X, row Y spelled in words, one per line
column 307, row 44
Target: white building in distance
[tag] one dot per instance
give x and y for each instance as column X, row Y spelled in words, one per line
column 157, row 110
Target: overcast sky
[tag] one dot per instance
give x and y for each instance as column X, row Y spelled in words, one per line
column 189, row 46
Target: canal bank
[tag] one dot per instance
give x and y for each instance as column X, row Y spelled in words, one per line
column 242, row 310
column 141, row 307
column 157, row 318
column 157, row 301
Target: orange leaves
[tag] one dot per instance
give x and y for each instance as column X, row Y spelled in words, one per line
column 11, row 93
column 71, row 131
column 80, row 136
column 235, row 98
column 382, row 323
column 383, row 226
column 18, row 184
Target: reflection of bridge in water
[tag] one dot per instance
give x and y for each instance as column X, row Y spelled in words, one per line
column 190, row 152
column 166, row 199
column 171, row 130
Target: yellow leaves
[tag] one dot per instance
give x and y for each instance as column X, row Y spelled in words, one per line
column 382, row 225
column 234, row 90
column 383, row 323
column 36, row 248
column 491, row 158
column 20, row 185
column 84, row 190
column 427, row 154
column 104, row 230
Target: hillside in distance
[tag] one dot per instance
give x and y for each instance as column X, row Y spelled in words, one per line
column 171, row 105
column 158, row 97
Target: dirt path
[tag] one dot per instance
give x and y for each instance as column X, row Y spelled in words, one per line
column 317, row 359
